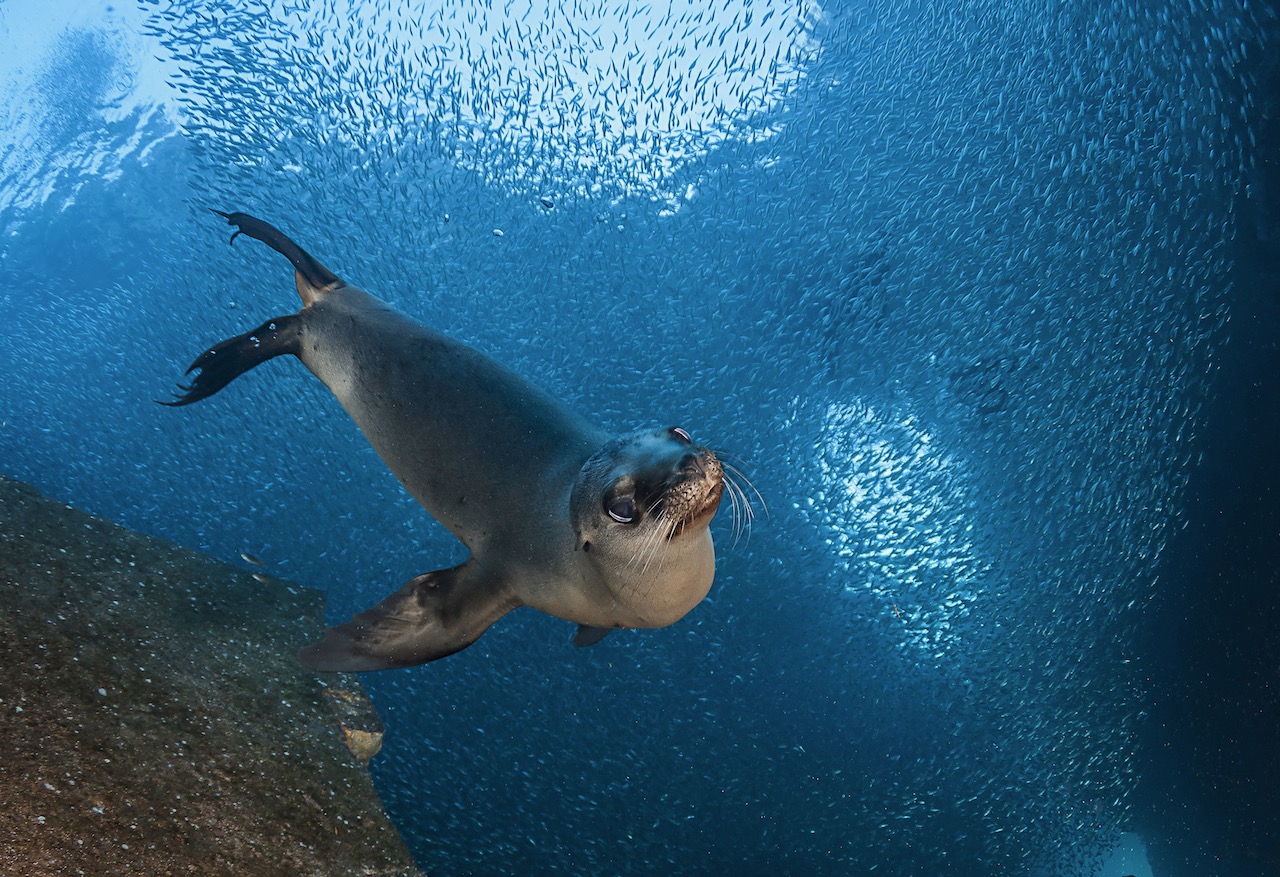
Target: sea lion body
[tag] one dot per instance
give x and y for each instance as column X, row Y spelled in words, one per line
column 535, row 492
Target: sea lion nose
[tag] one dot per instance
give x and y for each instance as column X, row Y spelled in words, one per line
column 691, row 464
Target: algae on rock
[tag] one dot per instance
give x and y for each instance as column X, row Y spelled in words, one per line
column 154, row 719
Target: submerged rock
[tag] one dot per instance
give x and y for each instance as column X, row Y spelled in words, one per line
column 154, row 719
column 361, row 727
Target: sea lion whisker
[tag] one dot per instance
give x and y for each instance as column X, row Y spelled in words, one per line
column 729, row 467
column 640, row 558
column 748, row 515
column 741, row 512
column 647, row 548
column 642, row 550
column 661, row 533
column 665, row 529
column 745, row 513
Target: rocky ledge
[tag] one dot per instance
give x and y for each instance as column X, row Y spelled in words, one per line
column 154, row 719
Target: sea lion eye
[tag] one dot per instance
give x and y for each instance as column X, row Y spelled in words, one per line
column 680, row 435
column 622, row 509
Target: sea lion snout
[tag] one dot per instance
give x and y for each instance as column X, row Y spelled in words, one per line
column 695, row 492
column 691, row 466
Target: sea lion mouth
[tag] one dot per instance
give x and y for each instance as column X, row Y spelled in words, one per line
column 693, row 493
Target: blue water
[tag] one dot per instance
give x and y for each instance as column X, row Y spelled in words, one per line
column 954, row 284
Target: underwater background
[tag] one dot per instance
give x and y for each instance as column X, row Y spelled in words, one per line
column 982, row 296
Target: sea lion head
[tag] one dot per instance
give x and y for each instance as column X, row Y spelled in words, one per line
column 640, row 509
column 649, row 479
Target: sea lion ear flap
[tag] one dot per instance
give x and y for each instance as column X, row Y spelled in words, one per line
column 432, row 616
column 589, row 636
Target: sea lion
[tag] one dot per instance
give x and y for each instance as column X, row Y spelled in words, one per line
column 601, row 531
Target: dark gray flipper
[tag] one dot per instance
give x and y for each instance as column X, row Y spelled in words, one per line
column 309, row 270
column 224, row 362
column 589, row 636
column 432, row 616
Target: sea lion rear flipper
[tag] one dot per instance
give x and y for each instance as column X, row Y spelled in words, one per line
column 589, row 636
column 228, row 360
column 432, row 616
column 313, row 279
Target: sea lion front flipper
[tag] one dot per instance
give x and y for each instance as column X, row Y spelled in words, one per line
column 589, row 636
column 432, row 616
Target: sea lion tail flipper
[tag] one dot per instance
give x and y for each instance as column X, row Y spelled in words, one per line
column 312, row 278
column 228, row 360
column 432, row 616
column 589, row 636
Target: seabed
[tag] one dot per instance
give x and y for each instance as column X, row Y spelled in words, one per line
column 154, row 719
